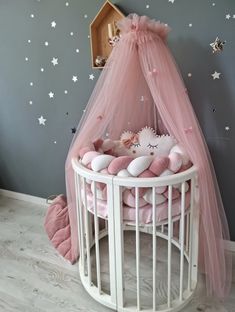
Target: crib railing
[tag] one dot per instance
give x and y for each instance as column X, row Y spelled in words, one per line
column 179, row 231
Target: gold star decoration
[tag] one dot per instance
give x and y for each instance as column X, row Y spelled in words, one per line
column 217, row 45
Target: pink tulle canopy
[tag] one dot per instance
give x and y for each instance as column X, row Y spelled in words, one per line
column 142, row 86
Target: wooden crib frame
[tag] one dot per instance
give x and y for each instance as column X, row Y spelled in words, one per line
column 89, row 237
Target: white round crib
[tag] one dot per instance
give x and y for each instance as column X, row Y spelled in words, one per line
column 170, row 280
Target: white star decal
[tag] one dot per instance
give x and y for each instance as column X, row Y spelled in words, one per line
column 42, row 69
column 46, row 43
column 53, row 24
column 75, row 78
column 190, row 25
column 147, row 6
column 233, row 15
column 91, row 77
column 65, row 91
column 54, row 61
column 227, row 128
column 51, row 95
column 32, row 15
column 228, row 16
column 30, row 102
column 42, row 121
column 77, row 50
column 216, row 75
column 67, row 4
column 172, row 1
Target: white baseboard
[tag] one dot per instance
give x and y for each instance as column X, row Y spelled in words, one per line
column 24, row 197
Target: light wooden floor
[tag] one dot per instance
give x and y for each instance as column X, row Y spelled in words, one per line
column 33, row 278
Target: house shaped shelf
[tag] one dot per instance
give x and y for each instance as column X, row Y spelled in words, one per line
column 108, row 15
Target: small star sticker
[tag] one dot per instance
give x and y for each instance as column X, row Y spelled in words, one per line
column 216, row 75
column 29, row 41
column 213, row 3
column 42, row 121
column 172, row 1
column 77, row 50
column 51, row 95
column 91, row 77
column 55, row 142
column 190, row 25
column 227, row 128
column 73, row 130
column 26, row 59
column 67, row 4
column 32, row 15
column 46, row 43
column 75, row 78
column 54, row 61
column 53, row 24
column 147, row 6
column 65, row 91
column 42, row 69
column 30, row 102
column 31, row 83
column 189, row 75
column 227, row 16
column 71, row 34
column 233, row 15
column 85, row 16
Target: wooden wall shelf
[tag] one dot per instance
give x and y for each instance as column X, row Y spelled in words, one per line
column 100, row 31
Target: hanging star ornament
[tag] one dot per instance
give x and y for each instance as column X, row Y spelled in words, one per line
column 216, row 75
column 75, row 78
column 42, row 120
column 217, row 45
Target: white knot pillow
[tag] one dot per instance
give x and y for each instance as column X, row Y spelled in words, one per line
column 148, row 197
column 138, row 165
column 101, row 162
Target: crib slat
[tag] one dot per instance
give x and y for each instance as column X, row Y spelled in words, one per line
column 182, row 217
column 154, row 246
column 78, row 207
column 169, row 245
column 80, row 217
column 187, row 233
column 97, row 247
column 191, row 234
column 87, row 232
column 137, row 246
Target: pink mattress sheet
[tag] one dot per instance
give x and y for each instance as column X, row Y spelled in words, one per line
column 145, row 213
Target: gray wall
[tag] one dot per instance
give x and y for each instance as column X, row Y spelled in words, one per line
column 30, row 160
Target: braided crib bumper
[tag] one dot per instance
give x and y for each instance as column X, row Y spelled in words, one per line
column 177, row 230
